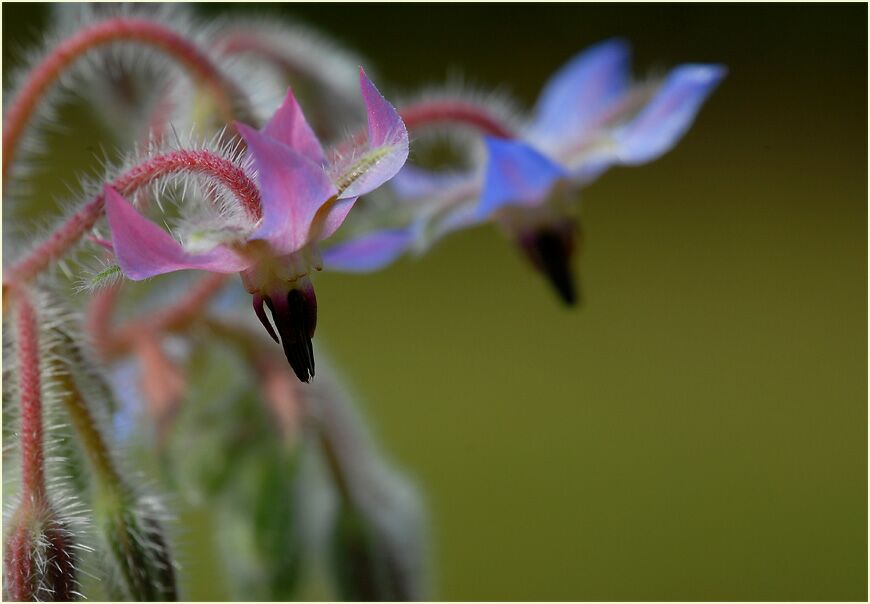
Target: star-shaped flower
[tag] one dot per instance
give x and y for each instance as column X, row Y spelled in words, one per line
column 305, row 197
column 588, row 118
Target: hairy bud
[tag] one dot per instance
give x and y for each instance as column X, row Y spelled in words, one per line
column 38, row 560
column 139, row 552
column 375, row 539
column 364, row 562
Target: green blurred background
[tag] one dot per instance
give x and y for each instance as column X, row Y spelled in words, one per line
column 698, row 429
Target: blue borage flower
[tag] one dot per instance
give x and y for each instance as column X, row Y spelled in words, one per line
column 590, row 116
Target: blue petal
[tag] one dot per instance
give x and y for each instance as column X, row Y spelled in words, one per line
column 577, row 95
column 368, row 253
column 516, row 174
column 659, row 126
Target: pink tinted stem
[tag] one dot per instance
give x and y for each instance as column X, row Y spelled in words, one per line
column 105, row 32
column 98, row 319
column 202, row 162
column 174, row 318
column 32, row 455
column 463, row 112
column 431, row 113
column 242, row 42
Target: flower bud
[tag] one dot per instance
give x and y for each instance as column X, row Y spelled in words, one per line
column 375, row 540
column 361, row 563
column 139, row 553
column 38, row 560
column 260, row 535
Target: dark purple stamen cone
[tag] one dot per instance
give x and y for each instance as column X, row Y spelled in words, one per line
column 551, row 250
column 295, row 316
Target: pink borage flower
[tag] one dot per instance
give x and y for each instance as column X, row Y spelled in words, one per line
column 305, row 195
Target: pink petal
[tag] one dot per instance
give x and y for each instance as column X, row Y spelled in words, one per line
column 385, row 125
column 292, row 187
column 288, row 126
column 387, row 147
column 144, row 249
column 331, row 217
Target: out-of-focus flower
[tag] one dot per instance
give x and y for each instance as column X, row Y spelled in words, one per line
column 589, row 117
column 305, row 199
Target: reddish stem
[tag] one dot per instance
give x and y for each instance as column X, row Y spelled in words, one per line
column 459, row 111
column 244, row 42
column 175, row 318
column 197, row 162
column 430, row 113
column 201, row 162
column 111, row 30
column 188, row 308
column 267, row 46
column 32, row 455
column 99, row 318
column 159, row 118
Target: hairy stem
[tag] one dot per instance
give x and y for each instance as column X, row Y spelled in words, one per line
column 119, row 29
column 431, row 113
column 459, row 111
column 98, row 318
column 251, row 42
column 66, row 358
column 32, row 453
column 175, row 318
column 133, row 536
column 284, row 52
column 69, row 233
column 89, row 436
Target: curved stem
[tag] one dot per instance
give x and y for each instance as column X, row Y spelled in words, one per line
column 112, row 30
column 174, row 318
column 295, row 56
column 459, row 111
column 30, row 387
column 198, row 162
column 201, row 162
column 431, row 113
column 249, row 42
